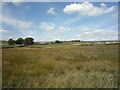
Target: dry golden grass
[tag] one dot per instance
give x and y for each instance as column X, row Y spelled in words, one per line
column 63, row 67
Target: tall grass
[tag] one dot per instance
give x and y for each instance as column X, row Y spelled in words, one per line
column 63, row 67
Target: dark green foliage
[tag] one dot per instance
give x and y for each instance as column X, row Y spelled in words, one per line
column 19, row 41
column 11, row 42
column 75, row 40
column 37, row 43
column 57, row 41
column 29, row 41
column 52, row 42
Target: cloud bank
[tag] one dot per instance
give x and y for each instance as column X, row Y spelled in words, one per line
column 87, row 8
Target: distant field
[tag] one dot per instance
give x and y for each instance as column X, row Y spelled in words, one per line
column 63, row 44
column 61, row 67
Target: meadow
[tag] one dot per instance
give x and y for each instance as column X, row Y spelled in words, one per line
column 67, row 66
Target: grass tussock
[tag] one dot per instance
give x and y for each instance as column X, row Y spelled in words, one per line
column 63, row 67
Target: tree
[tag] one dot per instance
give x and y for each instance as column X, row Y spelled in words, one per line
column 52, row 42
column 75, row 40
column 28, row 41
column 57, row 41
column 11, row 41
column 19, row 41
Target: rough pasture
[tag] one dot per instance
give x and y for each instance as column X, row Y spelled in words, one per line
column 63, row 67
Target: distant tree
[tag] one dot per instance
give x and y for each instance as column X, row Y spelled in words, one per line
column 57, row 41
column 52, row 42
column 28, row 41
column 75, row 40
column 19, row 41
column 11, row 42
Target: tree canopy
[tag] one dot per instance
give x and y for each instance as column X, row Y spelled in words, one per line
column 29, row 41
column 19, row 41
column 57, row 41
column 11, row 41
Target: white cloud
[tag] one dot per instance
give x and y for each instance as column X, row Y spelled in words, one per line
column 4, row 31
column 19, row 24
column 85, row 28
column 8, row 20
column 50, row 28
column 4, row 34
column 51, row 11
column 63, row 28
column 103, row 5
column 98, row 34
column 88, row 9
column 53, row 31
column 47, row 26
column 24, row 25
column 15, row 2
column 87, row 32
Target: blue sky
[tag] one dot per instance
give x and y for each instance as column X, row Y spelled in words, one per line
column 87, row 21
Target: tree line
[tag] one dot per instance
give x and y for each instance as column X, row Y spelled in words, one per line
column 26, row 41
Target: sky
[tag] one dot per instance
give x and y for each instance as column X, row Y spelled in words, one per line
column 50, row 21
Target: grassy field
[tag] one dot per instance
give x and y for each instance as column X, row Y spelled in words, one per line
column 61, row 67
